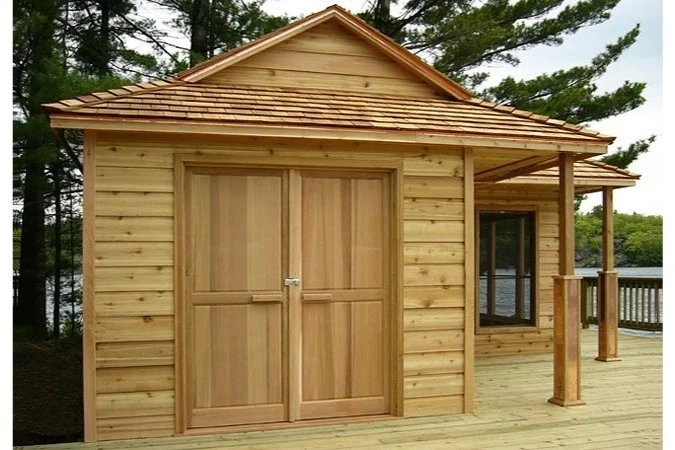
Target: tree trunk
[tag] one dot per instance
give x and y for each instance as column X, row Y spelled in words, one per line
column 382, row 17
column 57, row 250
column 103, row 62
column 30, row 313
column 199, row 31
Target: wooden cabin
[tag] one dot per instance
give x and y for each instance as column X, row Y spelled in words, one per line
column 286, row 234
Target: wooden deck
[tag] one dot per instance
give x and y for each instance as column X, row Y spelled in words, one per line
column 623, row 410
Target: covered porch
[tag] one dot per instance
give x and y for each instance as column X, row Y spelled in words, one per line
column 623, row 409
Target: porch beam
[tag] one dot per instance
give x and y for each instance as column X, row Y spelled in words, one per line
column 515, row 168
column 608, row 285
column 566, row 293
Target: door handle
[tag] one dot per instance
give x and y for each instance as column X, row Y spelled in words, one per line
column 317, row 297
column 291, row 281
column 267, row 298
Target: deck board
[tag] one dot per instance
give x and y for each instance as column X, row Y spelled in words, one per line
column 623, row 410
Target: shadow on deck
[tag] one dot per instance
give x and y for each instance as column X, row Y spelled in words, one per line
column 624, row 409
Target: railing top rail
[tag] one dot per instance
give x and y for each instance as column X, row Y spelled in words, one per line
column 650, row 280
column 645, row 280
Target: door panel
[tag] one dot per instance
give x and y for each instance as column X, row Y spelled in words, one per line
column 238, row 240
column 344, row 294
column 342, row 352
column 236, row 302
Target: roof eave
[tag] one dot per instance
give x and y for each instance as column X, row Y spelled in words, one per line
column 61, row 119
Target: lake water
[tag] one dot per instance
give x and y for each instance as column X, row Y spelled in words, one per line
column 650, row 272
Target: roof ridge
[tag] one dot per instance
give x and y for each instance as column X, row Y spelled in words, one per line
column 540, row 118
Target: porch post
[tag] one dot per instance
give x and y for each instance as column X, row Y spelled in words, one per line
column 608, row 285
column 566, row 293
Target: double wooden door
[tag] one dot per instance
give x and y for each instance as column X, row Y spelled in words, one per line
column 287, row 295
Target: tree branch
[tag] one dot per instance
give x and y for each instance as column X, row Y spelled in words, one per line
column 151, row 37
column 69, row 150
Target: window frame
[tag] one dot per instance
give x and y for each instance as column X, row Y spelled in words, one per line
column 511, row 208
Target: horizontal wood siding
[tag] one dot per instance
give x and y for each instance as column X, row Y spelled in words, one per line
column 433, row 285
column 325, row 57
column 134, row 259
column 537, row 339
column 134, row 300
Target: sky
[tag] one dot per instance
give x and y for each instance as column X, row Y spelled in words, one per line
column 642, row 62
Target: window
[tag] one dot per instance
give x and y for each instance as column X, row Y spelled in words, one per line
column 506, row 287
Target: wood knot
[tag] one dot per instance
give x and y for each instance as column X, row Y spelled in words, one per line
column 147, row 319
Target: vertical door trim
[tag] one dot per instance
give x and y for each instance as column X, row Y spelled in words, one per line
column 294, row 311
column 396, row 281
column 180, row 294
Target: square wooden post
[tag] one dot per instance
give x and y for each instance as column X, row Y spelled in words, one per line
column 608, row 286
column 566, row 299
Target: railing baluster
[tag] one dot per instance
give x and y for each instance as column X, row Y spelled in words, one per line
column 584, row 303
column 631, row 299
column 657, row 306
column 640, row 303
column 645, row 301
column 650, row 286
column 596, row 295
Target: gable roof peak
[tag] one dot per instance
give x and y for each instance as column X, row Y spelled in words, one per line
column 351, row 22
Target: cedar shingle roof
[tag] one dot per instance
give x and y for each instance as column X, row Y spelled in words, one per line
column 284, row 106
column 587, row 173
column 185, row 98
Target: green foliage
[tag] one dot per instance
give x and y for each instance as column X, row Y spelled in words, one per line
column 571, row 94
column 638, row 239
column 622, row 158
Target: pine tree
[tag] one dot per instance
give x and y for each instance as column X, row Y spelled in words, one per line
column 214, row 26
column 463, row 37
column 61, row 49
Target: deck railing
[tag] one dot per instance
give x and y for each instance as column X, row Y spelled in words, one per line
column 640, row 303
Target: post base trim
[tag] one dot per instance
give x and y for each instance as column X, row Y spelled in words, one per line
column 561, row 402
column 608, row 359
